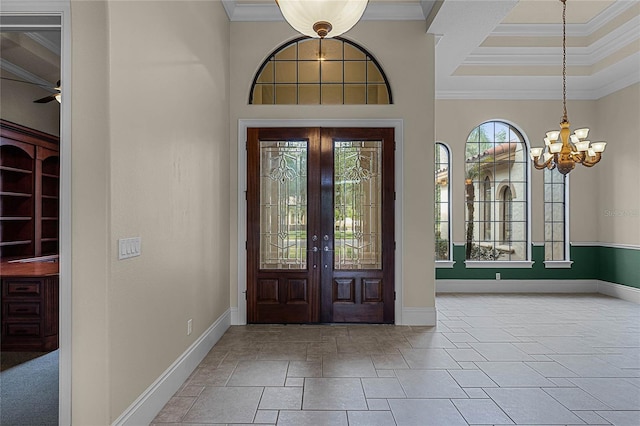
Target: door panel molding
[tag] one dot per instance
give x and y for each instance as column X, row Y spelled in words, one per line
column 239, row 315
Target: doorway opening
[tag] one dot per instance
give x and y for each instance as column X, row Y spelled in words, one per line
column 36, row 57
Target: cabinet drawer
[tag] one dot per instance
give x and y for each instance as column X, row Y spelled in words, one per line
column 23, row 330
column 22, row 310
column 23, row 288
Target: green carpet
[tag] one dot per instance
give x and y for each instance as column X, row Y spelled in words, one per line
column 29, row 392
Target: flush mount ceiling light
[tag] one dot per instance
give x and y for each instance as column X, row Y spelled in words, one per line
column 563, row 149
column 322, row 18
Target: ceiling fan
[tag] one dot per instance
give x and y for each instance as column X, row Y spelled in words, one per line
column 55, row 96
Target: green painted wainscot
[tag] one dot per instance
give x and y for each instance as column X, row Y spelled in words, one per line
column 612, row 264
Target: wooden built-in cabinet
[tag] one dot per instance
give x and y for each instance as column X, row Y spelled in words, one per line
column 29, row 191
column 29, row 221
column 29, row 306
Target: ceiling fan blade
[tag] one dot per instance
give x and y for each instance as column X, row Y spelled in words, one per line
column 45, row 99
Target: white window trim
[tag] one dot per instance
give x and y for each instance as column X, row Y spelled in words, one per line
column 496, row 264
column 445, row 263
column 558, row 264
column 511, row 263
column 567, row 262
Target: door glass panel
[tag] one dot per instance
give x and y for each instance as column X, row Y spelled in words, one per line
column 283, row 204
column 357, row 205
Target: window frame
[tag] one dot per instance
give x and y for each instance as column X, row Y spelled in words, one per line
column 528, row 261
column 566, row 262
column 445, row 263
column 270, row 57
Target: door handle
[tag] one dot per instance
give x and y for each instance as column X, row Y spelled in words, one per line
column 326, row 250
column 313, row 249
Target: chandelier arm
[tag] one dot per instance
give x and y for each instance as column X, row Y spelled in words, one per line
column 590, row 163
column 539, row 165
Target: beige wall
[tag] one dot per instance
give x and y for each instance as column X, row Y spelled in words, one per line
column 406, row 54
column 90, row 212
column 456, row 118
column 150, row 154
column 17, row 106
column 618, row 186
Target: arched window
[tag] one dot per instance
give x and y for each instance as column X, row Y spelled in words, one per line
column 442, row 203
column 496, row 188
column 486, row 203
column 320, row 71
column 555, row 209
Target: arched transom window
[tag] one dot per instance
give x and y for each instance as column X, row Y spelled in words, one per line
column 496, row 189
column 320, row 71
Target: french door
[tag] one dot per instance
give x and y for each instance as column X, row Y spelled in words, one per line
column 320, row 218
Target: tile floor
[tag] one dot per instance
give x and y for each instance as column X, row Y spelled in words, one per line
column 492, row 359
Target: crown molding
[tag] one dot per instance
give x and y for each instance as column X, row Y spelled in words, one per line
column 576, row 56
column 573, row 30
column 593, row 87
column 270, row 12
column 44, row 42
column 27, row 76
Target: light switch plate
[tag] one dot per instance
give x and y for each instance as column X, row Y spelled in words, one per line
column 129, row 247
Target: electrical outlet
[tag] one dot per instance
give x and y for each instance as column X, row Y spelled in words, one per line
column 189, row 327
column 497, row 275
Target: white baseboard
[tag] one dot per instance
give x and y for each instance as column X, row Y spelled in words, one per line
column 146, row 407
column 235, row 317
column 419, row 316
column 620, row 291
column 516, row 286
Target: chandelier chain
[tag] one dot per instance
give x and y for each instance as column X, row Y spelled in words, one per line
column 564, row 58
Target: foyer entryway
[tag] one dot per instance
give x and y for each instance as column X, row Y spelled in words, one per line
column 320, row 225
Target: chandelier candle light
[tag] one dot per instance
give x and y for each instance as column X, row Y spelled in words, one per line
column 322, row 18
column 563, row 149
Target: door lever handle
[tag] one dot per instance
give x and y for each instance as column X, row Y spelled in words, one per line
column 313, row 249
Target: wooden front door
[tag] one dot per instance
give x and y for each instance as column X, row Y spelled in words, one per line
column 320, row 217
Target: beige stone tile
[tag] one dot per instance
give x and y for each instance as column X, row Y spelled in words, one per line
column 225, row 405
column 259, row 373
column 333, row 394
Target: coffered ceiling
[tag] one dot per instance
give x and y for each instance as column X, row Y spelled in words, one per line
column 510, row 49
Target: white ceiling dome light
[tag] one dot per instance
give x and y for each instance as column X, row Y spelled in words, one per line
column 322, row 18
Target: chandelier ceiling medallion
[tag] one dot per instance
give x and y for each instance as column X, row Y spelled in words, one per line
column 563, row 149
column 322, row 18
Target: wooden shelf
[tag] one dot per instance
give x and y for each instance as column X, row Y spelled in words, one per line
column 15, row 170
column 16, row 194
column 14, row 243
column 29, row 192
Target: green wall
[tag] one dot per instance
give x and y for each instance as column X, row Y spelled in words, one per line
column 616, row 265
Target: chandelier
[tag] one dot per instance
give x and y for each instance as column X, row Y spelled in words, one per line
column 322, row 18
column 562, row 149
